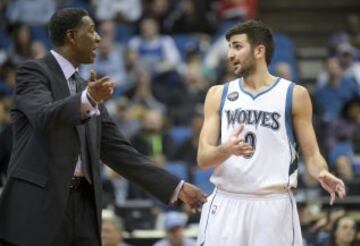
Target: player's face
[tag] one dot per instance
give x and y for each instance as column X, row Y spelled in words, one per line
column 241, row 55
column 85, row 41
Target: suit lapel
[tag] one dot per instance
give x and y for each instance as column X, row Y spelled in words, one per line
column 59, row 83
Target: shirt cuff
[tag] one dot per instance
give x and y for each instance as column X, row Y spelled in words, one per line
column 87, row 109
column 175, row 195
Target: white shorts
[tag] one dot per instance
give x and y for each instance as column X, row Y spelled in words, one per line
column 230, row 219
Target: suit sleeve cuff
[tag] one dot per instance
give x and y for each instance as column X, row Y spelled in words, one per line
column 86, row 108
column 176, row 193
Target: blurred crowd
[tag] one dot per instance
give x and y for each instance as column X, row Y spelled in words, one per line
column 164, row 55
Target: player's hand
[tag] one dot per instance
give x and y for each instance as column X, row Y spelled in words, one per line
column 100, row 89
column 237, row 146
column 332, row 184
column 192, row 196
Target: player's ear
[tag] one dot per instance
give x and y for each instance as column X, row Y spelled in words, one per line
column 259, row 51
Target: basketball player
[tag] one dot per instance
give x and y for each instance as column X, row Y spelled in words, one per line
column 258, row 119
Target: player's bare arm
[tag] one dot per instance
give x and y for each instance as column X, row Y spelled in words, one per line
column 314, row 161
column 210, row 153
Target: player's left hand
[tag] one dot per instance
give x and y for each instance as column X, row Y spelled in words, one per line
column 192, row 196
column 332, row 184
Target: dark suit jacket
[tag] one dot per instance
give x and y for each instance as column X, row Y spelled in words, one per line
column 46, row 147
column 5, row 150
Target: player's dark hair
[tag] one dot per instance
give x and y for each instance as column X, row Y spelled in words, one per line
column 62, row 21
column 257, row 33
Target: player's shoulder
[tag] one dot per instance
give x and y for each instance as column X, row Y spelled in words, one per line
column 215, row 92
column 300, row 92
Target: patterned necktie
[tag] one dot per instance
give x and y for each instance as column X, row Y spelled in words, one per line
column 75, row 86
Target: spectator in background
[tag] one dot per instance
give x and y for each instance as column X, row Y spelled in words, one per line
column 351, row 68
column 187, row 151
column 158, row 52
column 5, row 137
column 343, row 232
column 159, row 10
column 215, row 59
column 118, row 190
column 343, row 146
column 7, row 78
column 190, row 17
column 345, row 157
column 338, row 90
column 237, row 9
column 319, row 232
column 153, row 140
column 34, row 12
column 174, row 225
column 160, row 56
column 283, row 70
column 197, row 84
column 351, row 35
column 143, row 96
column 125, row 11
column 38, row 50
column 112, row 232
column 130, row 126
column 21, row 48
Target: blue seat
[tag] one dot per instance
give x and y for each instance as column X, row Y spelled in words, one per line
column 5, row 40
column 202, row 179
column 124, row 33
column 40, row 33
column 177, row 168
column 186, row 43
column 284, row 52
column 180, row 134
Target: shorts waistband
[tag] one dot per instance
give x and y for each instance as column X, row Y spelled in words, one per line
column 249, row 196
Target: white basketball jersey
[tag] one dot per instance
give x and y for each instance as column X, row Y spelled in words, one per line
column 267, row 122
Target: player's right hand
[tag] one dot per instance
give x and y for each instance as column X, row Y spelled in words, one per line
column 237, row 146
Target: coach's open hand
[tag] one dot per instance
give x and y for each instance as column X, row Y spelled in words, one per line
column 192, row 196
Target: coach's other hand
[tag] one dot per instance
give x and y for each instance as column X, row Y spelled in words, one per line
column 192, row 196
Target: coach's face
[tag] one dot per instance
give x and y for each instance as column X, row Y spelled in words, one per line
column 85, row 40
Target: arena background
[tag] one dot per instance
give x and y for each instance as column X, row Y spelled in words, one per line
column 160, row 92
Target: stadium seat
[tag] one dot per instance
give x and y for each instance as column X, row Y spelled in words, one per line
column 186, row 43
column 177, row 168
column 180, row 134
column 202, row 180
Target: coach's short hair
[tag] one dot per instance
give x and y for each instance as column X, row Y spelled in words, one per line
column 257, row 33
column 63, row 20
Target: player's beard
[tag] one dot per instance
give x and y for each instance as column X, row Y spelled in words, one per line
column 246, row 68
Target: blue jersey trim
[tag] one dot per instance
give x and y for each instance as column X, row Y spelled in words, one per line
column 288, row 113
column 259, row 94
column 223, row 97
